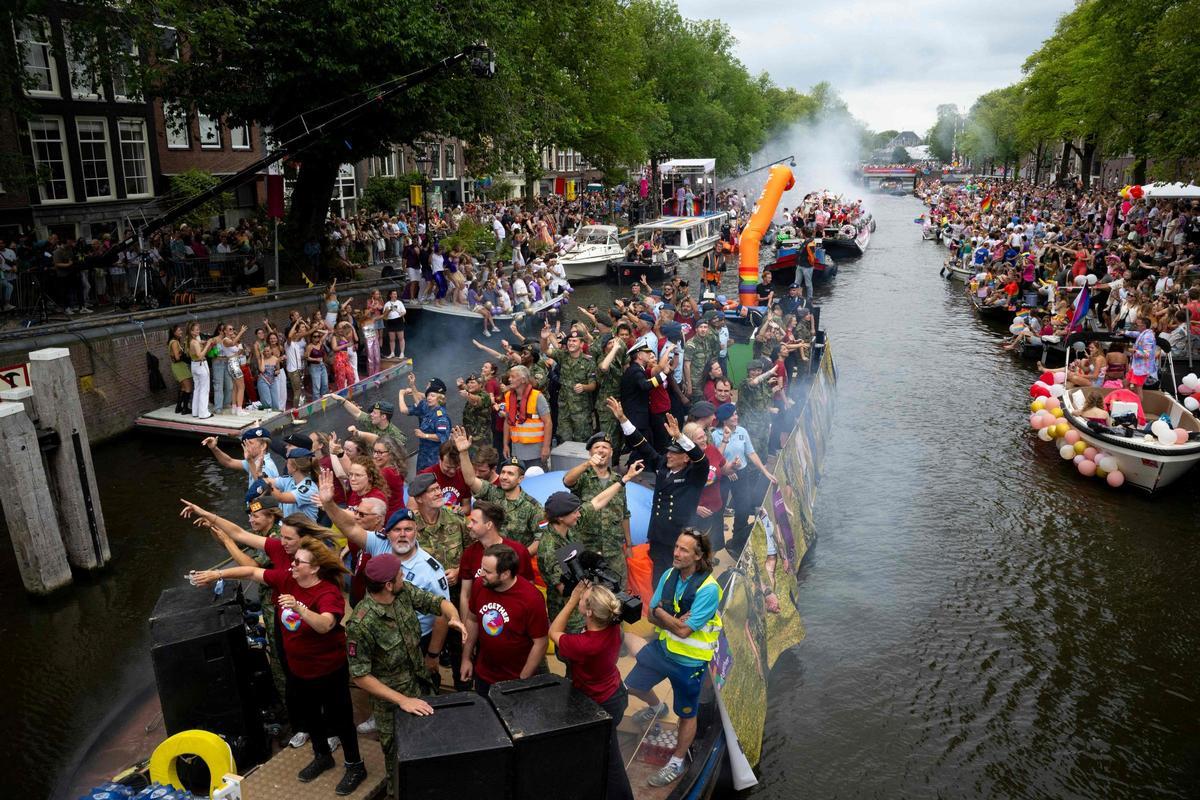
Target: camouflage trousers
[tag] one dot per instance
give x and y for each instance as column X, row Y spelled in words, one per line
column 575, row 425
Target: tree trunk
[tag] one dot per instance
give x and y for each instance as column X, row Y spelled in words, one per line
column 1064, row 165
column 1086, row 157
column 306, row 217
column 1037, row 166
column 1139, row 171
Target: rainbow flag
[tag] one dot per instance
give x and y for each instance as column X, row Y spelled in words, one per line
column 1082, row 303
column 986, row 205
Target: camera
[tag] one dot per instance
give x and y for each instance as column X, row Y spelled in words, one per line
column 584, row 565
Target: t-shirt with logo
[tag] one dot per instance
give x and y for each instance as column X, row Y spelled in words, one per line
column 454, row 488
column 509, row 621
column 309, row 654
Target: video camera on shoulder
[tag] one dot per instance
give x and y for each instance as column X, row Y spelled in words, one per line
column 584, row 565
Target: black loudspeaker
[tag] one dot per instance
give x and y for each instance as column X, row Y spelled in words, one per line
column 462, row 750
column 206, row 671
column 559, row 735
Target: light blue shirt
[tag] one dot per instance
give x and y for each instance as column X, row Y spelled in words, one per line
column 269, row 470
column 423, row 571
column 703, row 607
column 739, row 445
column 307, row 496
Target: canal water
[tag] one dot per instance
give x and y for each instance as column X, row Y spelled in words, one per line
column 980, row 620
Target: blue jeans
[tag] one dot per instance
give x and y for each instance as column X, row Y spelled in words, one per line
column 222, row 383
column 806, row 280
column 6, row 289
column 319, row 377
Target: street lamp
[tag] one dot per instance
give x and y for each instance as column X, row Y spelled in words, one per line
column 424, row 159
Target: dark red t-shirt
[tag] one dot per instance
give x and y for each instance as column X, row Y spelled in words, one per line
column 279, row 557
column 454, row 488
column 395, row 482
column 710, row 495
column 472, row 558
column 310, row 654
column 593, row 657
column 353, row 498
column 339, row 491
column 508, row 623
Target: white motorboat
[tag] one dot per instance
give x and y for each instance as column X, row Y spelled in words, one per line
column 596, row 248
column 687, row 237
column 1142, row 457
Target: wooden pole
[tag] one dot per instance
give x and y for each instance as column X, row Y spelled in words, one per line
column 28, row 507
column 56, row 399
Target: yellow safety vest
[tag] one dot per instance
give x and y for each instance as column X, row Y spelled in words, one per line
column 533, row 429
column 702, row 644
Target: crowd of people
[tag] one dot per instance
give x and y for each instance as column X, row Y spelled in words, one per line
column 451, row 565
column 1036, row 250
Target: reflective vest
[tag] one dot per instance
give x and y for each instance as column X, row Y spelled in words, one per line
column 533, row 429
column 702, row 644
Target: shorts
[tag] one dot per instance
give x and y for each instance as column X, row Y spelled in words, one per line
column 653, row 665
column 1136, row 380
column 394, row 325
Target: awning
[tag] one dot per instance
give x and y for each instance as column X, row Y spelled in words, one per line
column 1167, row 190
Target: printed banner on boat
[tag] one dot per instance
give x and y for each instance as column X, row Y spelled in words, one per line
column 761, row 616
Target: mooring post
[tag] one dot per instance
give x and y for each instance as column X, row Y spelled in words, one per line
column 24, row 396
column 25, row 495
column 56, row 400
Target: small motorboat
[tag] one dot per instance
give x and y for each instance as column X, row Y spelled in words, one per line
column 850, row 239
column 596, row 248
column 961, row 272
column 1146, row 460
column 993, row 312
column 787, row 254
column 659, row 266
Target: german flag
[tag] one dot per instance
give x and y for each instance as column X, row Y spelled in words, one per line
column 986, row 205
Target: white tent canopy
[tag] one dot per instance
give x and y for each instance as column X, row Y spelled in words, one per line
column 1168, row 190
column 688, row 165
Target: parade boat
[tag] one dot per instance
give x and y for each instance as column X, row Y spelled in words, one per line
column 436, row 324
column 787, row 254
column 687, row 237
column 658, row 266
column 596, row 248
column 849, row 239
column 1143, row 458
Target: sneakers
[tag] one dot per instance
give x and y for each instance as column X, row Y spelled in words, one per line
column 334, row 743
column 488, row 333
column 650, row 714
column 69, row 311
column 299, row 740
column 85, row 310
column 318, row 765
column 667, row 775
column 355, row 774
column 368, row 726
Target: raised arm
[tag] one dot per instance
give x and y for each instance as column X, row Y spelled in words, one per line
column 240, row 535
column 345, row 521
column 224, row 459
column 605, row 497
column 462, row 442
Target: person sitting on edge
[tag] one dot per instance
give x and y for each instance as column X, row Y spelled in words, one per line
column 510, row 612
column 684, row 609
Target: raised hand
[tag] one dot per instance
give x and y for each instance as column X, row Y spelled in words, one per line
column 634, row 470
column 672, row 426
column 614, row 407
column 461, row 440
column 325, row 485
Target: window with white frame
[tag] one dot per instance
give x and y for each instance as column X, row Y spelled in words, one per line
column 451, row 161
column 560, row 161
column 400, row 159
column 135, row 157
column 435, row 171
column 168, row 43
column 175, row 126
column 125, row 55
column 95, row 158
column 210, row 132
column 239, row 137
column 50, row 159
column 81, row 65
column 385, row 166
column 33, row 38
column 344, row 195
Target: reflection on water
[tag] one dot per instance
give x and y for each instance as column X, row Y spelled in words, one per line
column 980, row 621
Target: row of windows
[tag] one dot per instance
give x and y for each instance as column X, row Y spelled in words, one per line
column 48, row 138
column 178, row 130
column 437, row 160
column 41, row 66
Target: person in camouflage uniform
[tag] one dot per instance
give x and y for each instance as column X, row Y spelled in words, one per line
column 608, row 378
column 698, row 353
column 576, row 398
column 478, row 417
column 607, row 531
column 383, row 642
column 373, row 424
column 754, row 403
column 564, row 512
column 539, row 373
column 443, row 532
column 522, row 514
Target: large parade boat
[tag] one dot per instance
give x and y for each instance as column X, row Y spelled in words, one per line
column 686, row 237
column 849, row 239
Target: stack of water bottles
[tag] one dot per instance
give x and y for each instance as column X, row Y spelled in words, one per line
column 155, row 791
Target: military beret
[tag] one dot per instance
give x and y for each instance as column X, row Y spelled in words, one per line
column 420, row 484
column 725, row 411
column 436, row 385
column 673, row 331
column 383, row 568
column 511, row 461
column 596, row 438
column 398, row 516
column 261, row 503
column 702, row 409
column 560, row 504
column 297, row 440
column 667, row 307
column 714, row 317
column 385, row 407
column 256, row 433
column 646, row 316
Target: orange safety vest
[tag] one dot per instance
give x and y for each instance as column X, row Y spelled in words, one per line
column 533, row 429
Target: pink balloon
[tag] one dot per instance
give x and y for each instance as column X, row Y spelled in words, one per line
column 1053, row 403
column 1183, row 388
column 1087, row 467
column 1035, row 422
column 1091, row 453
column 1060, row 377
column 1115, row 479
column 1072, row 436
column 1181, row 436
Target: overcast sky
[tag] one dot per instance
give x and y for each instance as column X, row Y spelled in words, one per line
column 893, row 62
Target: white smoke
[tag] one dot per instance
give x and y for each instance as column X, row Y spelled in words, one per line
column 827, row 155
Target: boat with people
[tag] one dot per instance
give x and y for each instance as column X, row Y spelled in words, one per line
column 595, row 249
column 789, row 252
column 1152, row 440
column 654, row 265
column 686, row 237
column 460, row 322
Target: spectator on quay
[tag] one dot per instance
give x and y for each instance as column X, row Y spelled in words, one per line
column 181, row 369
column 393, row 322
column 318, row 376
column 198, row 353
column 272, row 388
column 295, row 350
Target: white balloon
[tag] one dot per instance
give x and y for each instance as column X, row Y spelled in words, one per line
column 1108, row 463
column 1166, row 437
column 1158, row 428
column 1190, row 380
column 1044, row 434
column 1080, row 280
column 1191, row 403
column 1067, row 452
column 1057, row 390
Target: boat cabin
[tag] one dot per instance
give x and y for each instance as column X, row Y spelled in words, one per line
column 685, row 236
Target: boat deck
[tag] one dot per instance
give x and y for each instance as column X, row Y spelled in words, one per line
column 276, row 779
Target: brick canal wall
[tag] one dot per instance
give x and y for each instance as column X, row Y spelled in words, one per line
column 109, row 354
